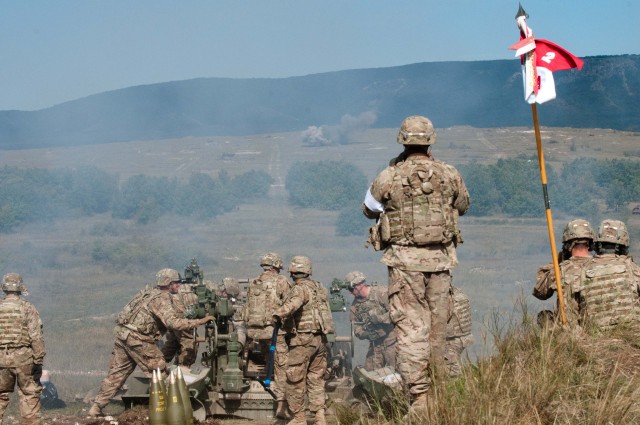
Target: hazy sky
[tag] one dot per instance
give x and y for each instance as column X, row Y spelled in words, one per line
column 59, row 50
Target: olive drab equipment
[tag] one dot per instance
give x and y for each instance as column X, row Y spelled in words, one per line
column 420, row 210
column 14, row 333
column 608, row 295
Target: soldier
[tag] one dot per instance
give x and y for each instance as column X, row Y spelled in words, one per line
column 309, row 328
column 140, row 324
column 264, row 295
column 459, row 330
column 577, row 242
column 417, row 202
column 611, row 289
column 182, row 344
column 21, row 350
column 371, row 321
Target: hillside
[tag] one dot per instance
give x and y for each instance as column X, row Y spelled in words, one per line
column 479, row 94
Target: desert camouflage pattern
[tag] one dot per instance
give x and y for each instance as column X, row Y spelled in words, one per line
column 264, row 295
column 387, row 189
column 21, row 347
column 133, row 347
column 371, row 321
column 307, row 358
column 182, row 343
column 610, row 293
column 459, row 329
column 416, row 130
column 572, row 276
column 419, row 277
column 613, row 231
column 419, row 307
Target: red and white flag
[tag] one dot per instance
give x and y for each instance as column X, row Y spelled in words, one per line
column 540, row 58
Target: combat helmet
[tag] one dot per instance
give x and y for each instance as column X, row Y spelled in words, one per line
column 166, row 276
column 416, row 130
column 271, row 259
column 578, row 230
column 353, row 279
column 300, row 264
column 12, row 282
column 613, row 231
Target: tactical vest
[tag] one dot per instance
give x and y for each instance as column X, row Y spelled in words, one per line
column 420, row 211
column 608, row 294
column 13, row 328
column 262, row 300
column 136, row 316
column 461, row 313
column 315, row 315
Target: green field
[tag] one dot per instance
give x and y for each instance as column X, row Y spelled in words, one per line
column 78, row 298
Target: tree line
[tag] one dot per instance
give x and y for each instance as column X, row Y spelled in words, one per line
column 36, row 194
column 584, row 187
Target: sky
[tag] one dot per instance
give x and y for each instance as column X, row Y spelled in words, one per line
column 57, row 51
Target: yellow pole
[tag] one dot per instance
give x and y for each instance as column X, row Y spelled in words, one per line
column 552, row 239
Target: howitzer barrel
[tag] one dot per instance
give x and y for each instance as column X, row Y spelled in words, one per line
column 344, row 339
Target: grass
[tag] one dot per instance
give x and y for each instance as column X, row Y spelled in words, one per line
column 537, row 376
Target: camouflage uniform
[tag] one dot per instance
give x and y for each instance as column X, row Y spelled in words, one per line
column 182, row 343
column 264, row 295
column 577, row 231
column 611, row 290
column 21, row 351
column 420, row 249
column 572, row 276
column 306, row 306
column 458, row 330
column 370, row 318
column 137, row 334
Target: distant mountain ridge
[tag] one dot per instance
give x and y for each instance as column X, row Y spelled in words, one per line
column 480, row 94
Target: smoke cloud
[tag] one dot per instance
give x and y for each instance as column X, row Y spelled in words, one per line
column 343, row 134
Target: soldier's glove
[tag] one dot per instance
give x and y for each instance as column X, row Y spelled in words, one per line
column 275, row 319
column 36, row 372
column 373, row 334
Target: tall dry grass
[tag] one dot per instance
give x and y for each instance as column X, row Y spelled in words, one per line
column 535, row 376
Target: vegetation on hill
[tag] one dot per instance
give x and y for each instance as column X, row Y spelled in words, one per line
column 536, row 376
column 35, row 194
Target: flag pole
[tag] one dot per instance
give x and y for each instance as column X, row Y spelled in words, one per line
column 552, row 239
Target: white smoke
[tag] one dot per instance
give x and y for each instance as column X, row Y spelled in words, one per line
column 342, row 134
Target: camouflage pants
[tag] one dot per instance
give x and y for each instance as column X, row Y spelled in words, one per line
column 381, row 353
column 28, row 389
column 183, row 344
column 306, row 365
column 419, row 306
column 124, row 358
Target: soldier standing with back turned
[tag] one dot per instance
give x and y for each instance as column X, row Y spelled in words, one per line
column 21, row 351
column 417, row 201
column 266, row 293
column 310, row 327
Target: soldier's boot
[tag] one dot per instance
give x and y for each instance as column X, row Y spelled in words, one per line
column 298, row 418
column 419, row 410
column 95, row 411
column 282, row 410
column 318, row 418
